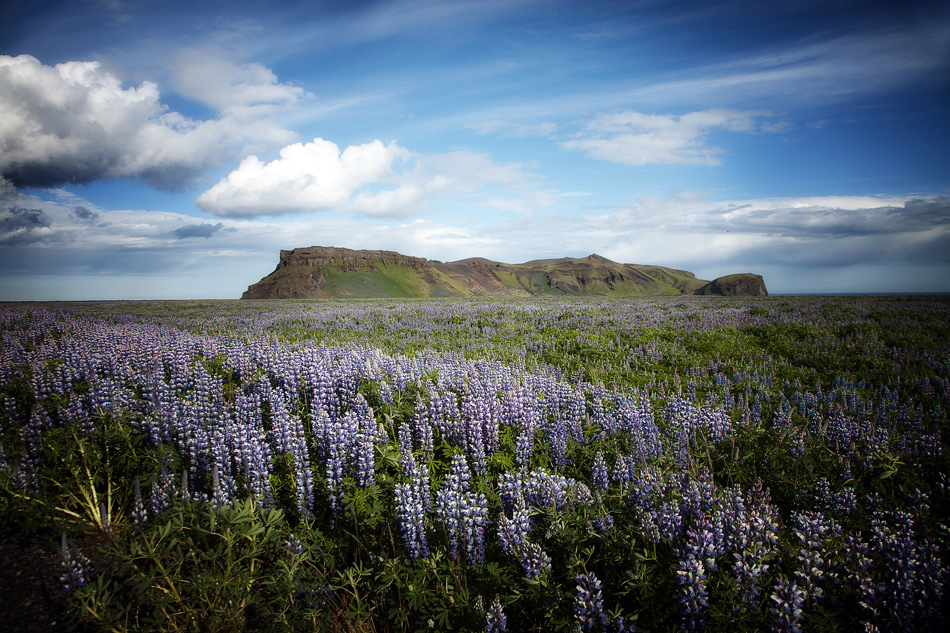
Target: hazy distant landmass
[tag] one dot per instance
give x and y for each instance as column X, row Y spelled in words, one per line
column 319, row 272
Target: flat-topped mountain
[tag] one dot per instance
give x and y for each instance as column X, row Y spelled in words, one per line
column 324, row 271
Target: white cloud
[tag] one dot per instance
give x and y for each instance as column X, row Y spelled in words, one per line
column 372, row 179
column 315, row 176
column 634, row 138
column 241, row 91
column 76, row 123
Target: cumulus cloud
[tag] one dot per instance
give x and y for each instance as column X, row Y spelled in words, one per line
column 634, row 138
column 313, row 176
column 371, row 179
column 75, row 123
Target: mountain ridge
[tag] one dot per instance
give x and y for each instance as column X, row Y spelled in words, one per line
column 318, row 272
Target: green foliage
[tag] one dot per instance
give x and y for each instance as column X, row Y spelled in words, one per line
column 200, row 568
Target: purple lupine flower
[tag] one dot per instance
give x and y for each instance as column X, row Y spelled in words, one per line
column 693, row 600
column 589, row 603
column 669, row 520
column 404, row 437
column 912, row 590
column 410, row 517
column 218, row 497
column 337, row 446
column 603, row 523
column 159, row 498
column 139, row 514
column 412, row 503
column 599, row 477
column 835, row 503
column 785, row 608
column 557, row 435
column 624, row 470
column 524, row 447
column 698, row 495
column 812, row 528
column 513, row 536
column 183, row 490
column 464, row 515
column 367, row 437
column 475, row 513
column 293, row 545
column 728, row 516
column 543, row 489
column 513, row 532
column 859, row 565
column 385, row 392
column 754, row 539
column 76, row 567
column 495, row 620
column 163, row 491
column 697, row 554
column 931, row 578
column 534, row 561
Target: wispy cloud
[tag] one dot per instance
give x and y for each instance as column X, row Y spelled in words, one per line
column 812, row 72
column 634, row 138
column 239, row 91
column 515, row 130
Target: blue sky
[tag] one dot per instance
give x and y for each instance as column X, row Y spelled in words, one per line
column 154, row 150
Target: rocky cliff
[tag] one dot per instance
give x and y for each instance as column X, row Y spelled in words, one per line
column 321, row 272
column 743, row 284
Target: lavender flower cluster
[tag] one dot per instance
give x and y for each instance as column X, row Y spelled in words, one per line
column 251, row 415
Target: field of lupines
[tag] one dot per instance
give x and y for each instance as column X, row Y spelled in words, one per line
column 527, row 465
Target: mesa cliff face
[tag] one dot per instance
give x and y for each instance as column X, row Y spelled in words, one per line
column 323, row 272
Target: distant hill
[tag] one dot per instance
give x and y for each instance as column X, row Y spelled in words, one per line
column 324, row 271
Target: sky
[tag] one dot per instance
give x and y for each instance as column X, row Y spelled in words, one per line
column 170, row 150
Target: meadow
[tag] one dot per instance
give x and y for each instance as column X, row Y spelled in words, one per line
column 653, row 464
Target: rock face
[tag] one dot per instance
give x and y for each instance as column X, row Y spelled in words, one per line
column 742, row 284
column 323, row 272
